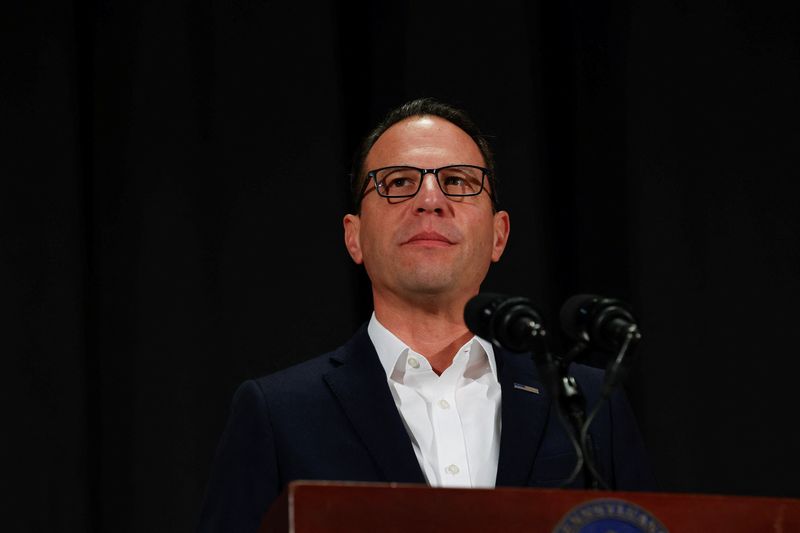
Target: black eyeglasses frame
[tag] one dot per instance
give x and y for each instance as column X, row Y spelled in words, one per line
column 372, row 176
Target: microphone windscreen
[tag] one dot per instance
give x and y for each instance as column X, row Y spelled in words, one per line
column 479, row 311
column 575, row 315
column 602, row 322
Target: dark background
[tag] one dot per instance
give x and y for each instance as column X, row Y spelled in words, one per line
column 174, row 176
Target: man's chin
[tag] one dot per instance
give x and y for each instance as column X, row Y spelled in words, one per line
column 434, row 285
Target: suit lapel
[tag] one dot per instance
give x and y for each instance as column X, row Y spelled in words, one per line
column 359, row 384
column 524, row 416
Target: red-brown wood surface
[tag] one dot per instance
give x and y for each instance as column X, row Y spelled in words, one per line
column 355, row 507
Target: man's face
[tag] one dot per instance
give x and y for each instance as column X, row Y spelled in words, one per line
column 429, row 244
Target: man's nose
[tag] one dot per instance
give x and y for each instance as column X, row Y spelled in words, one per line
column 430, row 196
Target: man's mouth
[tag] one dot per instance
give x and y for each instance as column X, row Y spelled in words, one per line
column 429, row 238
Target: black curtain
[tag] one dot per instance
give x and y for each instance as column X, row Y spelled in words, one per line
column 175, row 173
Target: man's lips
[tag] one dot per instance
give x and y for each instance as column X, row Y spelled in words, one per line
column 429, row 238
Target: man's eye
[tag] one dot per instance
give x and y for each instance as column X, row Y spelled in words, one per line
column 399, row 183
column 454, row 181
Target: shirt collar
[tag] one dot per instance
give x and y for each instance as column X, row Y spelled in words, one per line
column 390, row 349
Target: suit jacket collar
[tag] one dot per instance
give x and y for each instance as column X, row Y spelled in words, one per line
column 358, row 382
column 524, row 415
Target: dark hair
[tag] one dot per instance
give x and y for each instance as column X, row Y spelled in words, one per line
column 417, row 108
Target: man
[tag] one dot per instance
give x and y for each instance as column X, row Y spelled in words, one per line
column 414, row 396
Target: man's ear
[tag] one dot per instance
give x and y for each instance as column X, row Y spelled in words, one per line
column 352, row 237
column 502, row 227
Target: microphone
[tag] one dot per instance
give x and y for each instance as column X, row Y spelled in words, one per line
column 507, row 321
column 604, row 323
column 513, row 323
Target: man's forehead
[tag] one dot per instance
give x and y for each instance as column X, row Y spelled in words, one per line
column 425, row 136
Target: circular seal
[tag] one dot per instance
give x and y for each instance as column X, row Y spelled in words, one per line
column 609, row 515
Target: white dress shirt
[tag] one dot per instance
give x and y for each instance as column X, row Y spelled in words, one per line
column 453, row 419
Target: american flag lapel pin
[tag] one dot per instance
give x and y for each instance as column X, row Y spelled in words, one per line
column 526, row 388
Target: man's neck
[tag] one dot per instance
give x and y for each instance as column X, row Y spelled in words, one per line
column 435, row 331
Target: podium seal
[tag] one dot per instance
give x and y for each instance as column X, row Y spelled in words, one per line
column 607, row 515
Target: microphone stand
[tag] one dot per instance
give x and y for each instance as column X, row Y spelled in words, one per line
column 570, row 400
column 513, row 323
column 572, row 403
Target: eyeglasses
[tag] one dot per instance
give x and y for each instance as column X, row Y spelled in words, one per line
column 405, row 182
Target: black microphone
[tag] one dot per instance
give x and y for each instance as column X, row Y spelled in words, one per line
column 603, row 323
column 511, row 322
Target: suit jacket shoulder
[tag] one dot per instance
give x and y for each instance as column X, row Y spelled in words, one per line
column 329, row 418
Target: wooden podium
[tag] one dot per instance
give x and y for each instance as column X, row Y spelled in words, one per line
column 317, row 506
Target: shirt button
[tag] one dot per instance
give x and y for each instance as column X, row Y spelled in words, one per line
column 444, row 404
column 453, row 469
column 413, row 363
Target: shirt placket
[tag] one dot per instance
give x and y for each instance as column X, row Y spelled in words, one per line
column 450, row 444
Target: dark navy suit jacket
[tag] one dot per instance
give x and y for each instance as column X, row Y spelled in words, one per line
column 334, row 418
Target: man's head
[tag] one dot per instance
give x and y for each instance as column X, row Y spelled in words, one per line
column 415, row 108
column 436, row 243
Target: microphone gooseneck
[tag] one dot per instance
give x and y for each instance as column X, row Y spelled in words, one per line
column 606, row 325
